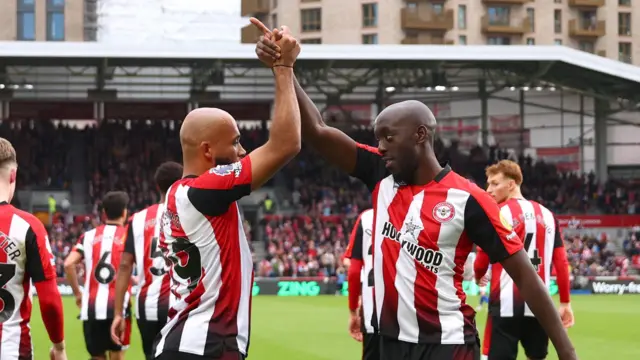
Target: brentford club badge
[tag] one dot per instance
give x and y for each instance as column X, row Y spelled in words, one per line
column 444, row 212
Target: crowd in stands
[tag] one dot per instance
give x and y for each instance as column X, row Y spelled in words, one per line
column 122, row 155
column 43, row 153
column 590, row 255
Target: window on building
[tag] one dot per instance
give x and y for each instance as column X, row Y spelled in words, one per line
column 274, row 4
column 557, row 21
column 499, row 40
column 624, row 24
column 462, row 17
column 437, row 8
column 412, row 6
column 311, row 41
column 55, row 20
column 588, row 20
column 370, row 39
column 557, row 1
column 311, row 20
column 531, row 16
column 26, row 17
column 274, row 21
column 369, row 15
column 624, row 2
column 557, row 42
column 499, row 15
column 587, row 46
column 624, row 52
column 462, row 40
column 531, row 41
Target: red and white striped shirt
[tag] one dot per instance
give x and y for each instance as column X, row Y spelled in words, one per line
column 102, row 250
column 361, row 248
column 143, row 239
column 422, row 237
column 25, row 256
column 211, row 267
column 538, row 228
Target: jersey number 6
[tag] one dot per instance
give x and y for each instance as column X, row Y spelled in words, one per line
column 104, row 273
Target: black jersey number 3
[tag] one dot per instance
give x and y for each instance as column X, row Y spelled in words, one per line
column 8, row 305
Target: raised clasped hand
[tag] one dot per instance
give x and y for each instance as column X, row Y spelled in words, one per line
column 276, row 47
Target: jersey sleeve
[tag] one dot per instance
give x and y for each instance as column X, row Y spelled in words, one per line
column 40, row 260
column 354, row 250
column 79, row 247
column 370, row 168
column 129, row 241
column 487, row 227
column 558, row 242
column 213, row 192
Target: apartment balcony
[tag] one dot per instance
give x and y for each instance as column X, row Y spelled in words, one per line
column 507, row 27
column 506, row 2
column 249, row 34
column 426, row 40
column 254, row 7
column 586, row 3
column 426, row 19
column 583, row 29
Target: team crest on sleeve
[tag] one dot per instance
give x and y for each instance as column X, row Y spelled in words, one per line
column 444, row 212
column 224, row 170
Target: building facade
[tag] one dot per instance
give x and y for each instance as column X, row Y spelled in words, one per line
column 46, row 20
column 603, row 27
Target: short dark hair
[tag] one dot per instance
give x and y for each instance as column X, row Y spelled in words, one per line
column 167, row 173
column 114, row 204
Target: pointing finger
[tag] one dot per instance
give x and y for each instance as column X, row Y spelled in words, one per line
column 262, row 27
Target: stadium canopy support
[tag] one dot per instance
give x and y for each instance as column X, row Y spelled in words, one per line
column 332, row 74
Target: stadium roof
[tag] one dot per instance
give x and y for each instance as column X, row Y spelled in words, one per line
column 555, row 64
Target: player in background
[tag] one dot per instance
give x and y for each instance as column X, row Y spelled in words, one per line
column 25, row 257
column 101, row 249
column 202, row 236
column 512, row 319
column 420, row 305
column 362, row 322
column 468, row 275
column 141, row 247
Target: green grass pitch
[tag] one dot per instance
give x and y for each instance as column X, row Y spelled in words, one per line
column 315, row 328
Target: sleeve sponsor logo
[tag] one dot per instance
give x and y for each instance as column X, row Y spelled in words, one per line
column 224, row 170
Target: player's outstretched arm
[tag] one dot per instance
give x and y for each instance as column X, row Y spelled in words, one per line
column 332, row 144
column 493, row 233
column 284, row 136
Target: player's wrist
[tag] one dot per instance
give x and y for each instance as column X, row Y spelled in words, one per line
column 282, row 68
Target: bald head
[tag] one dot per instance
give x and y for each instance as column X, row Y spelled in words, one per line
column 205, row 125
column 410, row 112
column 209, row 137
